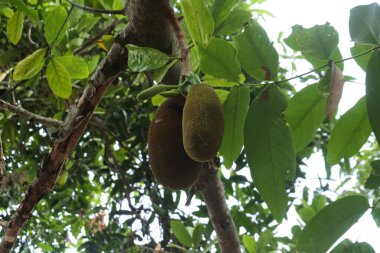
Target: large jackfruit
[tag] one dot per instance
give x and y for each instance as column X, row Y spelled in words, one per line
column 202, row 123
column 170, row 164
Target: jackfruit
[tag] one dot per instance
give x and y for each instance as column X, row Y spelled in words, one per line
column 202, row 123
column 170, row 164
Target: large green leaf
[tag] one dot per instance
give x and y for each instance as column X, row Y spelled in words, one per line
column 198, row 19
column 234, row 22
column 364, row 24
column 198, row 232
column 181, row 233
column 221, row 9
column 319, row 41
column 373, row 92
column 14, row 27
column 249, row 243
column 373, row 181
column 53, row 25
column 256, row 53
column 305, row 113
column 330, row 223
column 144, row 58
column 219, row 60
column 362, row 60
column 350, row 133
column 30, row 66
column 235, row 111
column 270, row 149
column 77, row 67
column 59, row 79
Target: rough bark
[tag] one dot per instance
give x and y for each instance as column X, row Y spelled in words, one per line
column 150, row 25
column 212, row 189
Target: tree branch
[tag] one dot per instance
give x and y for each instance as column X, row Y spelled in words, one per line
column 29, row 115
column 147, row 27
column 94, row 10
column 212, row 190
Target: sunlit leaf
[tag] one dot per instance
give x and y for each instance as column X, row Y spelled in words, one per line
column 235, row 110
column 30, row 66
column 330, row 223
column 53, row 25
column 234, row 22
column 14, row 27
column 362, row 60
column 59, row 79
column 198, row 232
column 76, row 66
column 198, row 19
column 249, row 243
column 270, row 149
column 221, row 9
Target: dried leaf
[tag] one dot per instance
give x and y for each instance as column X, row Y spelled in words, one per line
column 336, row 90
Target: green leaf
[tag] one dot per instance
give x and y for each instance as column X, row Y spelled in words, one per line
column 154, row 90
column 373, row 92
column 376, row 215
column 21, row 6
column 181, row 233
column 362, row 60
column 364, row 24
column 256, row 53
column 330, row 223
column 198, row 232
column 221, row 9
column 219, row 60
column 144, row 58
column 77, row 67
column 305, row 113
column 14, row 27
column 318, row 42
column 249, row 243
column 344, row 246
column 373, row 181
column 350, row 133
column 235, row 111
column 270, row 149
column 198, row 19
column 59, row 79
column 53, row 24
column 30, row 66
column 234, row 22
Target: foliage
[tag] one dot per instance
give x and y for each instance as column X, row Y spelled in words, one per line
column 106, row 191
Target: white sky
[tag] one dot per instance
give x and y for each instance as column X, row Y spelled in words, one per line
column 309, row 13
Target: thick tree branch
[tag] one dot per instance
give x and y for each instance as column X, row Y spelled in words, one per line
column 29, row 115
column 212, row 190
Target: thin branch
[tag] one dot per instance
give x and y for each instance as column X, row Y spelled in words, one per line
column 94, row 10
column 29, row 115
column 12, row 89
column 212, row 189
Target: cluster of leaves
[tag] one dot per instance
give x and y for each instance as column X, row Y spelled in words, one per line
column 109, row 172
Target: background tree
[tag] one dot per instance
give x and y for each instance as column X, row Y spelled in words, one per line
column 74, row 170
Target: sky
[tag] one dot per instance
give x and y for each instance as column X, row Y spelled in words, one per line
column 309, row 13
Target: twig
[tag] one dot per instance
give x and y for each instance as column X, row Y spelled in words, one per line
column 29, row 115
column 12, row 89
column 94, row 10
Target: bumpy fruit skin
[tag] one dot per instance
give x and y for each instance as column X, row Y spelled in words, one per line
column 170, row 164
column 203, row 123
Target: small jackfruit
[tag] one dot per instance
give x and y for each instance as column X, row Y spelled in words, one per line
column 202, row 123
column 170, row 164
